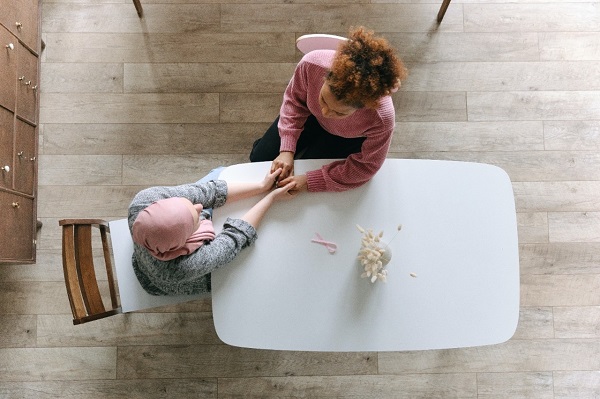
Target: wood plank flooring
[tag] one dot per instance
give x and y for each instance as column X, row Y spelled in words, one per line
column 129, row 103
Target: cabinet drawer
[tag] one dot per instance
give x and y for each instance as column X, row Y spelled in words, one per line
column 21, row 18
column 27, row 84
column 7, row 123
column 8, row 14
column 25, row 159
column 17, row 228
column 8, row 66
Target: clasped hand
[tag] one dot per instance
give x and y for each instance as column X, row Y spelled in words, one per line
column 283, row 191
column 285, row 162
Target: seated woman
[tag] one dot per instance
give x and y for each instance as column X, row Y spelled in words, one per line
column 337, row 105
column 175, row 245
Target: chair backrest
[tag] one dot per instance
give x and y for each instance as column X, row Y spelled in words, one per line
column 318, row 41
column 80, row 275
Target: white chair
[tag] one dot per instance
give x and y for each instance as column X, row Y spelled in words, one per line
column 318, row 41
column 85, row 294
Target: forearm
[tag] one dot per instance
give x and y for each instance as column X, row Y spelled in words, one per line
column 341, row 175
column 255, row 215
column 240, row 190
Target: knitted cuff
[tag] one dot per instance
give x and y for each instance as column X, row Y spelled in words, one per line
column 288, row 143
column 244, row 227
column 221, row 197
column 316, row 181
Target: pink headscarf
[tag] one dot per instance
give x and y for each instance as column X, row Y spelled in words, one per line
column 165, row 228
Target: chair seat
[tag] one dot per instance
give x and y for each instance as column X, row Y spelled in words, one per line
column 133, row 296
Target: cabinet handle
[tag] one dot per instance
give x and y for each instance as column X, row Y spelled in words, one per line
column 10, row 46
column 6, row 168
column 16, row 205
column 18, row 25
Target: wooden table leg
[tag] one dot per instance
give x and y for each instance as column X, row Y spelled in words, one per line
column 442, row 11
column 138, row 8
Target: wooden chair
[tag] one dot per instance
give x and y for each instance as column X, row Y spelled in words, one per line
column 138, row 8
column 442, row 11
column 80, row 276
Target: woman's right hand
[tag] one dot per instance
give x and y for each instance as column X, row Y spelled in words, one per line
column 285, row 161
column 284, row 193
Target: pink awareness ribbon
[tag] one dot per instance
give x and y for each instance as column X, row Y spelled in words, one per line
column 331, row 247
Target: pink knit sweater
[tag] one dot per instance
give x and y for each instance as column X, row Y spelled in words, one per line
column 301, row 99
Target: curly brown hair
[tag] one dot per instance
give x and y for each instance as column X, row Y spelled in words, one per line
column 365, row 68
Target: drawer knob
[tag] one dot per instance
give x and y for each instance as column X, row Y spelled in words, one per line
column 18, row 25
column 10, row 46
column 15, row 205
column 6, row 168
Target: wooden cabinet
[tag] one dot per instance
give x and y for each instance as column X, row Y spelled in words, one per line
column 19, row 110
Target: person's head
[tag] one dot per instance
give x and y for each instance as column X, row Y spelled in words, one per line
column 365, row 69
column 165, row 227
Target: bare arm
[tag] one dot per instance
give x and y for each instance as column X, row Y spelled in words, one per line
column 240, row 190
column 255, row 215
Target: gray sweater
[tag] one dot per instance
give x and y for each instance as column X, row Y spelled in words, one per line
column 188, row 274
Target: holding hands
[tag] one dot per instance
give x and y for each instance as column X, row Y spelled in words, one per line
column 285, row 162
column 281, row 192
column 255, row 215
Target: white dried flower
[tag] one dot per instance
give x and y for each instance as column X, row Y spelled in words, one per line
column 370, row 255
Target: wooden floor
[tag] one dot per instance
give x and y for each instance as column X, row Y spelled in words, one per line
column 129, row 103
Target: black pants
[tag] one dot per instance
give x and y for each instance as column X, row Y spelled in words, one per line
column 314, row 143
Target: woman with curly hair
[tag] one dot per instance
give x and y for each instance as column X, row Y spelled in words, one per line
column 337, row 105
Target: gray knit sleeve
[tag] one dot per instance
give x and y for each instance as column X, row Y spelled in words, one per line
column 189, row 274
column 211, row 194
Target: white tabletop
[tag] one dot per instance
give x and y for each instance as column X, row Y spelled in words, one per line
column 459, row 237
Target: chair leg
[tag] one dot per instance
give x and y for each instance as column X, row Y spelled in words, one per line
column 138, row 8
column 442, row 11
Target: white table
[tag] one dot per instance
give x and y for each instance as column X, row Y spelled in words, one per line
column 459, row 236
